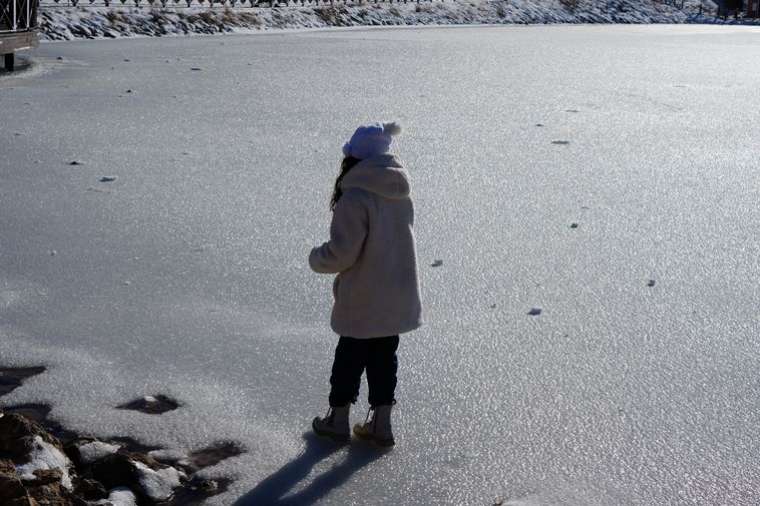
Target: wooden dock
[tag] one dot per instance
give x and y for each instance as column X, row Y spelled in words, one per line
column 18, row 28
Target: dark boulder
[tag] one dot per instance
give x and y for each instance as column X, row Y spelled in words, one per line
column 11, row 488
column 90, row 489
column 17, row 435
column 116, row 470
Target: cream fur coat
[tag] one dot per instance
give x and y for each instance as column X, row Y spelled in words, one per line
column 372, row 250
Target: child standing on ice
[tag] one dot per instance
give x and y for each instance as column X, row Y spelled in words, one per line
column 376, row 291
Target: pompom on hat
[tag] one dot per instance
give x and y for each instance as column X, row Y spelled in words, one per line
column 371, row 140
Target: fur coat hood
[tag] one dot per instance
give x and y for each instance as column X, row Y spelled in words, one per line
column 382, row 175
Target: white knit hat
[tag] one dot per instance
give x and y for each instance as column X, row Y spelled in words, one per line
column 371, row 140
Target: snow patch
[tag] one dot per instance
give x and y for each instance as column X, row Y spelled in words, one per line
column 96, row 450
column 175, row 456
column 45, row 456
column 121, row 496
column 168, row 455
column 158, row 485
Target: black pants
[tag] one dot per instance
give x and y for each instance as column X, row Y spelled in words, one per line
column 352, row 357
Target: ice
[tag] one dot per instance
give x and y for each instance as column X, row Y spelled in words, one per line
column 46, row 456
column 96, row 450
column 652, row 398
column 158, row 485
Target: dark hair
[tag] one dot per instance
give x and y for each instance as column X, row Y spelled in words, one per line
column 346, row 165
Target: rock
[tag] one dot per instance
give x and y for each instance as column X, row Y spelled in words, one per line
column 561, row 143
column 197, row 489
column 17, row 435
column 46, row 476
column 138, row 472
column 71, row 449
column 35, row 412
column 90, row 490
column 175, row 458
column 75, row 162
column 114, row 471
column 573, row 225
column 651, row 282
column 11, row 488
column 534, row 311
column 153, row 405
column 107, row 179
column 158, row 485
column 24, row 501
column 146, row 459
column 437, row 263
column 121, row 496
column 91, row 451
column 59, row 58
column 207, row 486
column 45, row 458
column 46, row 488
column 7, row 467
column 195, row 68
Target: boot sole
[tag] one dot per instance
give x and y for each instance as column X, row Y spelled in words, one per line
column 330, row 435
column 385, row 443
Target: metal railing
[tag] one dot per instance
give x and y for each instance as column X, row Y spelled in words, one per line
column 211, row 4
column 18, row 15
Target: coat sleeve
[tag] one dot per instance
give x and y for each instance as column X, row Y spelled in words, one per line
column 348, row 231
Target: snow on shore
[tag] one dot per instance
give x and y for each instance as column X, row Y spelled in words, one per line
column 46, row 456
column 101, row 22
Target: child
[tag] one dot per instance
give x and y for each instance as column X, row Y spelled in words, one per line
column 371, row 248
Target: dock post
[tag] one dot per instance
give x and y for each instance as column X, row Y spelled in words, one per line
column 10, row 60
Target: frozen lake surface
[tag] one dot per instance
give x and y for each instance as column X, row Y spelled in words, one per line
column 187, row 275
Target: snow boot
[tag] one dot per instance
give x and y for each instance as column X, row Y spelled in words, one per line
column 378, row 429
column 334, row 425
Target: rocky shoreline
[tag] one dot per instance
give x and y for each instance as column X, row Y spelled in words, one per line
column 43, row 463
column 66, row 23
